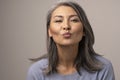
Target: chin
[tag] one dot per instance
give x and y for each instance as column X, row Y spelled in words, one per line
column 68, row 44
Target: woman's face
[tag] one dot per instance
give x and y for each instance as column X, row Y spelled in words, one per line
column 65, row 26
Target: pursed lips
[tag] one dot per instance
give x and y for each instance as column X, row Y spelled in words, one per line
column 67, row 35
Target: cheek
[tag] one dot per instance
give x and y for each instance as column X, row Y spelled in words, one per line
column 78, row 29
column 78, row 33
column 54, row 32
column 54, row 29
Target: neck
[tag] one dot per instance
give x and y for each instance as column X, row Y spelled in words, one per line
column 67, row 55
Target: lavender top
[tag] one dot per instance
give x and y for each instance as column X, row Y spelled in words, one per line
column 35, row 72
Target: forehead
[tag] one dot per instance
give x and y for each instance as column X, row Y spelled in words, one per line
column 64, row 10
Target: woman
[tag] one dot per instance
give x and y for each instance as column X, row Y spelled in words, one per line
column 70, row 42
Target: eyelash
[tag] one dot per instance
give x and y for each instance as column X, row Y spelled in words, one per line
column 73, row 20
column 58, row 21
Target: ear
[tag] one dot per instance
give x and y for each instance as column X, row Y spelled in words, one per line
column 49, row 33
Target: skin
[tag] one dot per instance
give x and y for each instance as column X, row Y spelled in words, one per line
column 66, row 30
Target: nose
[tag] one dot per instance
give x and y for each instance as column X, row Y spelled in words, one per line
column 66, row 26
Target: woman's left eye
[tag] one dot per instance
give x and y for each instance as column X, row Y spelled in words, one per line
column 75, row 20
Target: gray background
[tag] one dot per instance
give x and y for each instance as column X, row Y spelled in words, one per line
column 23, row 33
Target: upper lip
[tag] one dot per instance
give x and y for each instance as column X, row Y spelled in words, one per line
column 67, row 34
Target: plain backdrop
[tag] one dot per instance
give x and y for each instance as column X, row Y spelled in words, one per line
column 23, row 33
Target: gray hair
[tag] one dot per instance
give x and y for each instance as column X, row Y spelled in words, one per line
column 86, row 56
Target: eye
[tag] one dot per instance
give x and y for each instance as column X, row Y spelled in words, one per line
column 75, row 20
column 57, row 21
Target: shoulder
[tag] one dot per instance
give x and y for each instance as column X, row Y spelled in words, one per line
column 41, row 64
column 36, row 69
column 103, row 60
column 107, row 65
column 107, row 72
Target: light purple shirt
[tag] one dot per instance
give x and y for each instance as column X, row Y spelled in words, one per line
column 36, row 72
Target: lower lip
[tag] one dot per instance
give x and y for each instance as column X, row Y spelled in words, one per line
column 67, row 35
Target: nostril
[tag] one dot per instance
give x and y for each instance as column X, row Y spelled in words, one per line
column 63, row 28
column 66, row 28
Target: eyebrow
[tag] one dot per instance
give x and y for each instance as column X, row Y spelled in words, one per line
column 62, row 16
column 58, row 16
column 73, row 15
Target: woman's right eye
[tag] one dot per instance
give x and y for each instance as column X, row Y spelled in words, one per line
column 57, row 21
